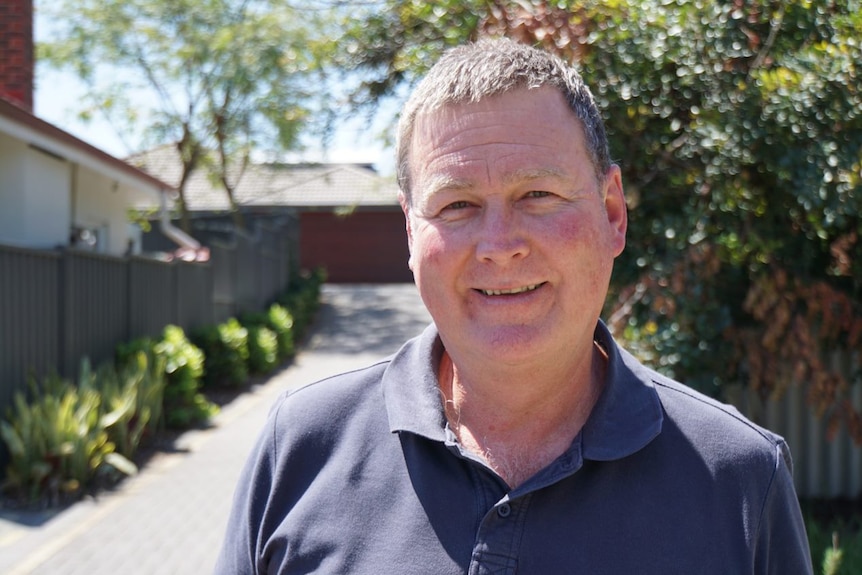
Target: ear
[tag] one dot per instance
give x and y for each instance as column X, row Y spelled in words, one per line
column 615, row 208
column 405, row 207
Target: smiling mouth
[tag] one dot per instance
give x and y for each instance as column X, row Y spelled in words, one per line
column 514, row 291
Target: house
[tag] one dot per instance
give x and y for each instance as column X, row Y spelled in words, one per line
column 348, row 216
column 55, row 189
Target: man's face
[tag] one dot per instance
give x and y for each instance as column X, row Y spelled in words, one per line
column 512, row 238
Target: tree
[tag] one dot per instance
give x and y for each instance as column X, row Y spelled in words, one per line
column 223, row 77
column 738, row 125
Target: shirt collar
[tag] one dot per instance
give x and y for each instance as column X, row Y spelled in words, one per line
column 627, row 416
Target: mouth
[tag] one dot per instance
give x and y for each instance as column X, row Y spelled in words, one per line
column 513, row 291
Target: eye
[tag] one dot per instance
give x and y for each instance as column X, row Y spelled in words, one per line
column 537, row 194
column 459, row 205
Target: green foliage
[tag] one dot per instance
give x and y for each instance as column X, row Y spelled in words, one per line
column 262, row 349
column 131, row 398
column 216, row 75
column 225, row 349
column 280, row 321
column 836, row 545
column 183, row 363
column 302, row 299
column 58, row 442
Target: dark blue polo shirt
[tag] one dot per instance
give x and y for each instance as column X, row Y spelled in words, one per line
column 359, row 474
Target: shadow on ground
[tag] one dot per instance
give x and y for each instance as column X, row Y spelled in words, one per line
column 372, row 319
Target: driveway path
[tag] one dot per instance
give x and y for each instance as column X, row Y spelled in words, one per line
column 170, row 518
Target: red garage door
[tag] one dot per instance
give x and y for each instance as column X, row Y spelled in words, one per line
column 363, row 247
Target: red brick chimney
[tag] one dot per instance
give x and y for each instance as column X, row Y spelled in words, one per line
column 16, row 52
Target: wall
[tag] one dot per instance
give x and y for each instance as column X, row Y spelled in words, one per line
column 16, row 51
column 363, row 247
column 34, row 196
column 47, row 204
column 102, row 204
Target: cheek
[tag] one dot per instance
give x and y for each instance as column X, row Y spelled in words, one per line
column 586, row 245
column 430, row 249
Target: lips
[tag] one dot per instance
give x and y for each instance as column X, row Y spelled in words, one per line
column 513, row 291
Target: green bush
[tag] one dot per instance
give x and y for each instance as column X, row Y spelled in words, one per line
column 280, row 321
column 836, row 546
column 131, row 398
column 58, row 442
column 302, row 299
column 262, row 349
column 184, row 404
column 225, row 349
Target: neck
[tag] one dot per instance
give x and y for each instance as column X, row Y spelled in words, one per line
column 520, row 425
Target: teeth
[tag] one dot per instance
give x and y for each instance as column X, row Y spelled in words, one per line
column 509, row 291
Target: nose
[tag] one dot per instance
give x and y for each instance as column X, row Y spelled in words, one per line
column 501, row 237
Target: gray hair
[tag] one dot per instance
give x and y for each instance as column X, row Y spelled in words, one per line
column 471, row 72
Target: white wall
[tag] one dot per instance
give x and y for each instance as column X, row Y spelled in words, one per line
column 34, row 198
column 102, row 204
column 47, row 203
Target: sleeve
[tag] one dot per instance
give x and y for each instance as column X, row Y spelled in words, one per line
column 244, row 538
column 781, row 545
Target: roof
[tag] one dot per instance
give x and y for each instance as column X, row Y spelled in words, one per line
column 23, row 125
column 276, row 184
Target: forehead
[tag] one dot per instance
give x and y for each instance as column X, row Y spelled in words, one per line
column 515, row 134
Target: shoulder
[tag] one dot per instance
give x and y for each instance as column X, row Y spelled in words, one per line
column 722, row 436
column 330, row 400
column 690, row 407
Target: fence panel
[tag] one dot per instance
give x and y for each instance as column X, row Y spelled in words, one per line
column 194, row 295
column 94, row 308
column 269, row 265
column 29, row 318
column 152, row 286
column 247, row 297
column 822, row 467
column 223, row 261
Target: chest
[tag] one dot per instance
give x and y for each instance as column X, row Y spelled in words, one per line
column 432, row 512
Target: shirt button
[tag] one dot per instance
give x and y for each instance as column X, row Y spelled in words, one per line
column 504, row 510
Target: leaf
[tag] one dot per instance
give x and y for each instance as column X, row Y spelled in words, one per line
column 121, row 464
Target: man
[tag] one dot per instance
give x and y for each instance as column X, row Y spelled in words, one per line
column 513, row 435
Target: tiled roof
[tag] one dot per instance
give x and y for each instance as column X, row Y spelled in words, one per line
column 276, row 184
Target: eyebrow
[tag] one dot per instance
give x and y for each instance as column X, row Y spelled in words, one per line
column 440, row 183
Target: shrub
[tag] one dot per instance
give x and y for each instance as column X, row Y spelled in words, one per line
column 225, row 349
column 262, row 349
column 57, row 442
column 131, row 398
column 279, row 320
column 184, row 404
column 836, row 545
column 302, row 299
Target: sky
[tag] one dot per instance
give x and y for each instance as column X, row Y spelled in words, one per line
column 57, row 93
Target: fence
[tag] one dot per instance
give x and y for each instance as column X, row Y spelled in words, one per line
column 822, row 466
column 58, row 307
